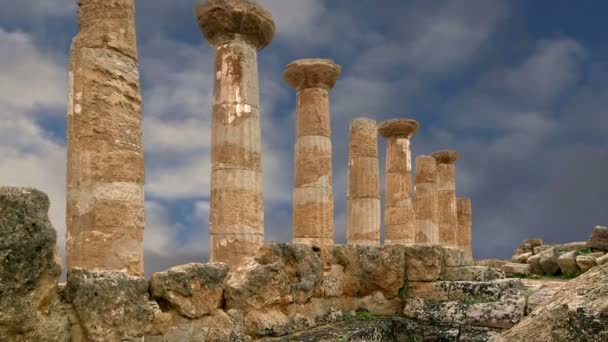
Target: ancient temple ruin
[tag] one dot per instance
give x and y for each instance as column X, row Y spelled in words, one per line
column 420, row 280
column 105, row 214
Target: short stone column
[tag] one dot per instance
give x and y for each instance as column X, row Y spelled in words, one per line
column 465, row 220
column 105, row 160
column 399, row 224
column 446, row 196
column 313, row 198
column 238, row 30
column 425, row 201
column 363, row 189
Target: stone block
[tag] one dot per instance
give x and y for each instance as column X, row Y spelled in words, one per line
column 423, row 262
column 454, row 257
column 548, row 261
column 521, row 258
column 598, row 238
column 471, row 273
column 585, row 262
column 534, row 262
column 192, row 290
column 515, row 269
column 602, row 260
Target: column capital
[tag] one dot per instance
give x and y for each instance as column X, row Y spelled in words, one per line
column 405, row 128
column 446, row 156
column 223, row 20
column 312, row 73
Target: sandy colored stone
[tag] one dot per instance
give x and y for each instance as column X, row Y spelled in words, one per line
column 237, row 30
column 471, row 273
column 567, row 263
column 516, row 269
column 585, row 262
column 423, row 262
column 313, row 190
column 105, row 166
column 521, row 258
column 398, row 211
column 577, row 312
column 193, row 290
column 446, row 197
column 363, row 188
column 602, row 260
column 464, row 234
column 223, row 21
column 426, row 200
column 598, row 238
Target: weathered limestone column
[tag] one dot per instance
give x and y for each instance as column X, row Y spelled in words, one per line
column 464, row 233
column 238, row 30
column 399, row 224
column 313, row 198
column 105, row 161
column 363, row 189
column 425, row 200
column 446, row 196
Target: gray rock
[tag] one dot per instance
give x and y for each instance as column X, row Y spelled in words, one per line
column 471, row 273
column 548, row 261
column 111, row 306
column 567, row 263
column 29, row 269
column 598, row 238
column 496, row 263
column 585, row 262
column 193, row 290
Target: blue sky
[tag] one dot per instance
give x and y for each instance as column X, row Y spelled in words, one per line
column 519, row 88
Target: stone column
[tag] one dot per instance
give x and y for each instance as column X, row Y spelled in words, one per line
column 238, row 30
column 446, row 196
column 363, row 189
column 313, row 199
column 425, row 200
column 399, row 224
column 105, row 161
column 464, row 232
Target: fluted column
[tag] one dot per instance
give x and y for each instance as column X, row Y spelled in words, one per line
column 464, row 233
column 425, row 201
column 399, row 225
column 363, row 190
column 313, row 199
column 238, row 30
column 446, row 196
column 105, row 161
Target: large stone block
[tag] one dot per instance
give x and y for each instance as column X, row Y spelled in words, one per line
column 423, row 262
column 567, row 262
column 515, row 269
column 598, row 238
column 471, row 273
column 111, row 306
column 585, row 262
column 548, row 261
column 369, row 269
column 279, row 275
column 29, row 269
column 193, row 290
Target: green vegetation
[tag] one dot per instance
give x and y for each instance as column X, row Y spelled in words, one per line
column 585, row 251
column 569, row 275
column 471, row 301
column 403, row 292
column 364, row 315
column 409, row 338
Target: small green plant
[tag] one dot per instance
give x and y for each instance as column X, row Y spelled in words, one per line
column 520, row 276
column 570, row 275
column 470, row 301
column 403, row 292
column 364, row 315
column 585, row 251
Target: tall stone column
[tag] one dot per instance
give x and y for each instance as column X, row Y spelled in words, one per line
column 238, row 30
column 313, row 198
column 425, row 201
column 446, row 196
column 399, row 225
column 464, row 233
column 363, row 190
column 105, row 161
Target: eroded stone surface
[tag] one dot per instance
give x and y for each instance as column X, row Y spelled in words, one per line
column 577, row 312
column 464, row 233
column 598, row 238
column 110, row 306
column 425, row 200
column 516, row 269
column 29, row 268
column 105, row 165
column 447, row 217
column 193, row 290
